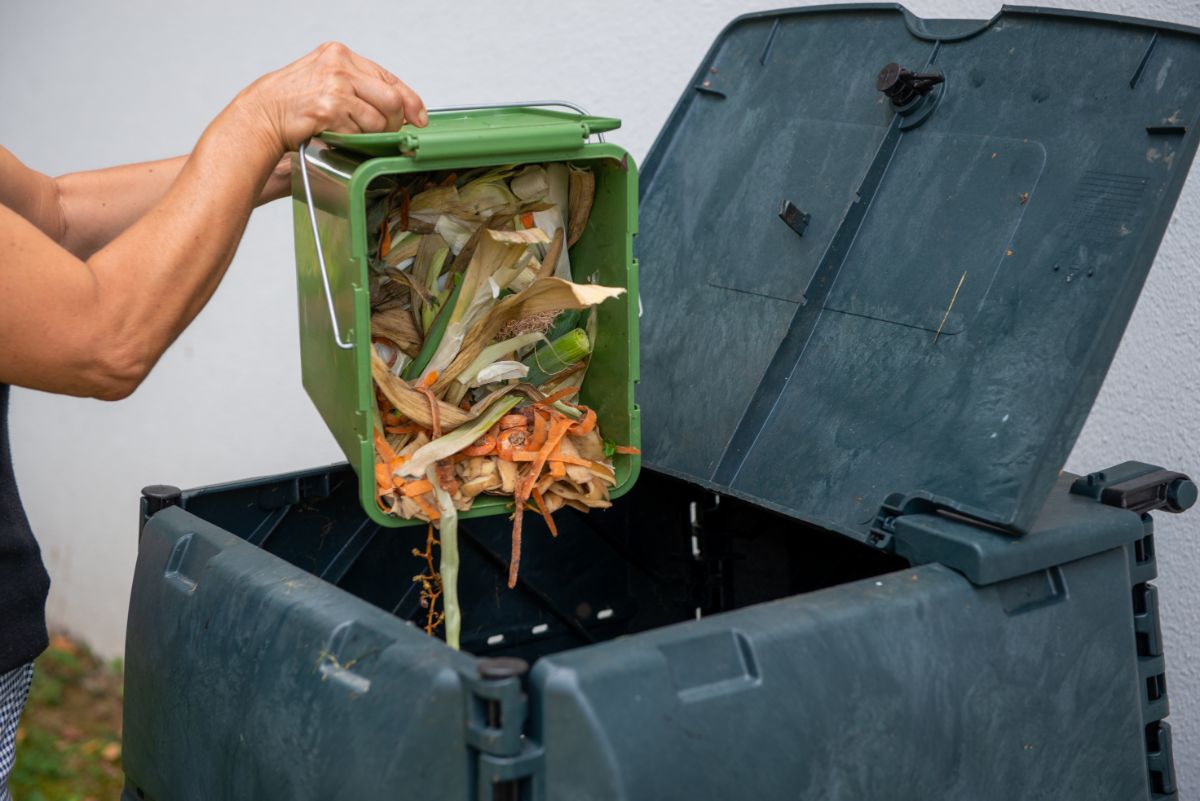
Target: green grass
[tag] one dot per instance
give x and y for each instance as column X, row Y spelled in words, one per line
column 69, row 741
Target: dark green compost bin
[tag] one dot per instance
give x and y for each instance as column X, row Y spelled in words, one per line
column 886, row 264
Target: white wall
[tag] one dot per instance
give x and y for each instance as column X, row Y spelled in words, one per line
column 84, row 85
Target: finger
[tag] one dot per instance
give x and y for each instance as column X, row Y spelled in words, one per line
column 384, row 97
column 366, row 116
column 414, row 107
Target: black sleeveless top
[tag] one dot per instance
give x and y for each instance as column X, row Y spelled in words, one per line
column 23, row 580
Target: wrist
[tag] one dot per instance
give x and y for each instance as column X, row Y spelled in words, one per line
column 248, row 115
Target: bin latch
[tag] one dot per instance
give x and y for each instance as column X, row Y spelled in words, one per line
column 796, row 220
column 1138, row 487
column 509, row 764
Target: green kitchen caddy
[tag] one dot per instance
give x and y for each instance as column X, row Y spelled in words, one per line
column 330, row 181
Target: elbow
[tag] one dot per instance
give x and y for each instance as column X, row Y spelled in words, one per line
column 118, row 372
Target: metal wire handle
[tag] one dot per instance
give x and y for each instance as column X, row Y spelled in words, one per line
column 312, row 219
column 312, row 212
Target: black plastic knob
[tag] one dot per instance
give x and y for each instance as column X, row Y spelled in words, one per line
column 1181, row 495
column 902, row 85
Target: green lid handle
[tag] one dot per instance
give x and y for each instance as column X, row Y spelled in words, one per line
column 312, row 219
column 533, row 103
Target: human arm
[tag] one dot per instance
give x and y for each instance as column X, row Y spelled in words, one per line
column 84, row 211
column 95, row 327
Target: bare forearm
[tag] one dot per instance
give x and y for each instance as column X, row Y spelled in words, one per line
column 30, row 194
column 100, row 204
column 164, row 268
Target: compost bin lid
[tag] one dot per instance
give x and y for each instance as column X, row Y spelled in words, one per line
column 846, row 299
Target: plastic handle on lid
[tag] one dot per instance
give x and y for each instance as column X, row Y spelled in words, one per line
column 560, row 134
column 534, row 104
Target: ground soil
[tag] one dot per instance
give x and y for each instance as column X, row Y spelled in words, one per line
column 69, row 740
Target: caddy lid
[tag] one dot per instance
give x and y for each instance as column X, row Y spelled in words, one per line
column 886, row 257
column 469, row 131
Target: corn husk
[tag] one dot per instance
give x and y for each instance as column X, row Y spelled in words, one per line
column 493, row 352
column 454, row 231
column 579, row 204
column 430, row 258
column 449, row 444
column 487, row 197
column 499, row 371
column 411, row 403
column 531, row 183
column 525, row 278
column 546, row 294
column 553, row 219
column 429, row 205
column 497, row 251
column 528, row 263
column 404, row 248
column 448, row 564
column 396, row 325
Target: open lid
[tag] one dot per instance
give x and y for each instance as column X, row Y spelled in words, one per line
column 849, row 295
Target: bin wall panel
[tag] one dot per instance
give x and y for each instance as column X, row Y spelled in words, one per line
column 915, row 685
column 247, row 678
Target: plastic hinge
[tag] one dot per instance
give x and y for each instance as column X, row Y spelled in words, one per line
column 509, row 764
column 1145, row 620
column 1142, row 565
column 1152, row 675
column 1160, row 761
column 897, row 505
column 1151, row 663
column 506, row 699
column 521, row 773
column 1143, row 488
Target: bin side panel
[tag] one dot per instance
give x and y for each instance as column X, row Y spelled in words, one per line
column 330, row 373
column 914, row 685
column 247, row 678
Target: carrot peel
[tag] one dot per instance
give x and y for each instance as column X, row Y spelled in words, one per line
column 549, row 518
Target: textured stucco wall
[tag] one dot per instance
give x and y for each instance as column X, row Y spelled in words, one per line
column 89, row 84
